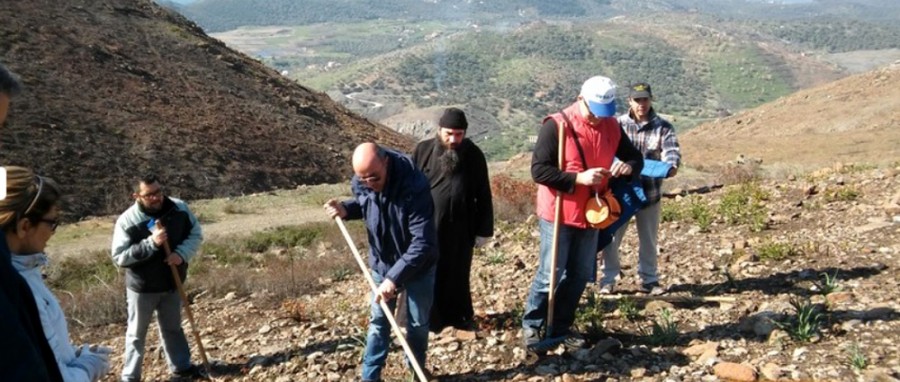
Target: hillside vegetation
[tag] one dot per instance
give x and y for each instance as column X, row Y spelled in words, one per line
column 701, row 67
column 118, row 88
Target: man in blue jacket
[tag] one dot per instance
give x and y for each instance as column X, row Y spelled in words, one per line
column 394, row 199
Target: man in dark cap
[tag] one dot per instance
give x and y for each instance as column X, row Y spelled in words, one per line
column 457, row 171
column 655, row 138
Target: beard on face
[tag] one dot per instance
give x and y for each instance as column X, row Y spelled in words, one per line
column 449, row 161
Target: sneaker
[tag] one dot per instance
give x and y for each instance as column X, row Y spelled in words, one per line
column 653, row 289
column 607, row 289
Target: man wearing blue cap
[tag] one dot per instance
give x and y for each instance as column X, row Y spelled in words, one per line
column 592, row 139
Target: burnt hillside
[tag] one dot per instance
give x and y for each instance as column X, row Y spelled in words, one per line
column 116, row 88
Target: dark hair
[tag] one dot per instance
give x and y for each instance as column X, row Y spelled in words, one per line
column 27, row 195
column 9, row 84
column 148, row 179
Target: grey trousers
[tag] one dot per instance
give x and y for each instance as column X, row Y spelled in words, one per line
column 168, row 313
column 647, row 221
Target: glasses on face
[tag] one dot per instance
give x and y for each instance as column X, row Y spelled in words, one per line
column 640, row 100
column 52, row 222
column 370, row 179
column 151, row 195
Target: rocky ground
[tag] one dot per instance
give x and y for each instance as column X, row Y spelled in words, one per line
column 843, row 221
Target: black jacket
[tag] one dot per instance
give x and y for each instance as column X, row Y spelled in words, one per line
column 25, row 354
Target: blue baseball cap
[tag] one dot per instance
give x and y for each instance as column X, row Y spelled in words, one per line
column 600, row 94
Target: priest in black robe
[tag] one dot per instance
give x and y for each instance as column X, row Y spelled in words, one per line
column 463, row 213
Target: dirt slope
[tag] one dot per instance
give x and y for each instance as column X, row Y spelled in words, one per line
column 114, row 88
column 852, row 119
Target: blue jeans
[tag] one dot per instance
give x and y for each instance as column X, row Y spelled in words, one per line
column 419, row 296
column 168, row 314
column 575, row 263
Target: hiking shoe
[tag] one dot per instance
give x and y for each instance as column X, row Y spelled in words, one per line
column 653, row 289
column 190, row 374
column 530, row 338
column 574, row 341
column 607, row 289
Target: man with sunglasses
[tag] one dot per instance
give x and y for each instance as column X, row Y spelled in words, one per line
column 655, row 138
column 592, row 139
column 139, row 240
column 394, row 199
column 25, row 354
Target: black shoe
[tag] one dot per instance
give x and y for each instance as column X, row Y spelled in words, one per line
column 190, row 374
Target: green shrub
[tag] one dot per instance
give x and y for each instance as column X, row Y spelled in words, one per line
column 628, row 308
column 283, row 237
column 82, row 271
column 776, row 251
column 495, row 257
column 224, row 253
column 829, row 284
column 805, row 323
column 842, row 194
column 664, row 331
column 671, row 212
column 857, row 359
column 589, row 317
column 700, row 214
column 743, row 205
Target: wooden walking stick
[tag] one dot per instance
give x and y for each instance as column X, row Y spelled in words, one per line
column 187, row 305
column 554, row 252
column 382, row 303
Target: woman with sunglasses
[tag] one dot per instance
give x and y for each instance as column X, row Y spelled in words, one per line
column 30, row 214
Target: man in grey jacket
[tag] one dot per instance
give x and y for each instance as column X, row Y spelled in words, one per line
column 138, row 246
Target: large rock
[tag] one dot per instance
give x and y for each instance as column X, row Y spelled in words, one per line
column 731, row 371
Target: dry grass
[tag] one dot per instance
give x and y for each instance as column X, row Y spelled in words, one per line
column 513, row 198
column 292, row 261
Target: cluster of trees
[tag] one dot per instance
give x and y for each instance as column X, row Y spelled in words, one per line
column 836, row 36
column 222, row 15
column 549, row 63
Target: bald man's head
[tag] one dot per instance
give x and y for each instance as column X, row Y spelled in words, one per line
column 370, row 165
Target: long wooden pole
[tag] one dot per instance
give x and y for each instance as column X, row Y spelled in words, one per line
column 384, row 307
column 187, row 307
column 668, row 298
column 557, row 217
column 554, row 252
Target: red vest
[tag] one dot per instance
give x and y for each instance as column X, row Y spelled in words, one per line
column 599, row 144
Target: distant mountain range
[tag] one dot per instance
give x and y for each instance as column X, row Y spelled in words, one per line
column 400, row 61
